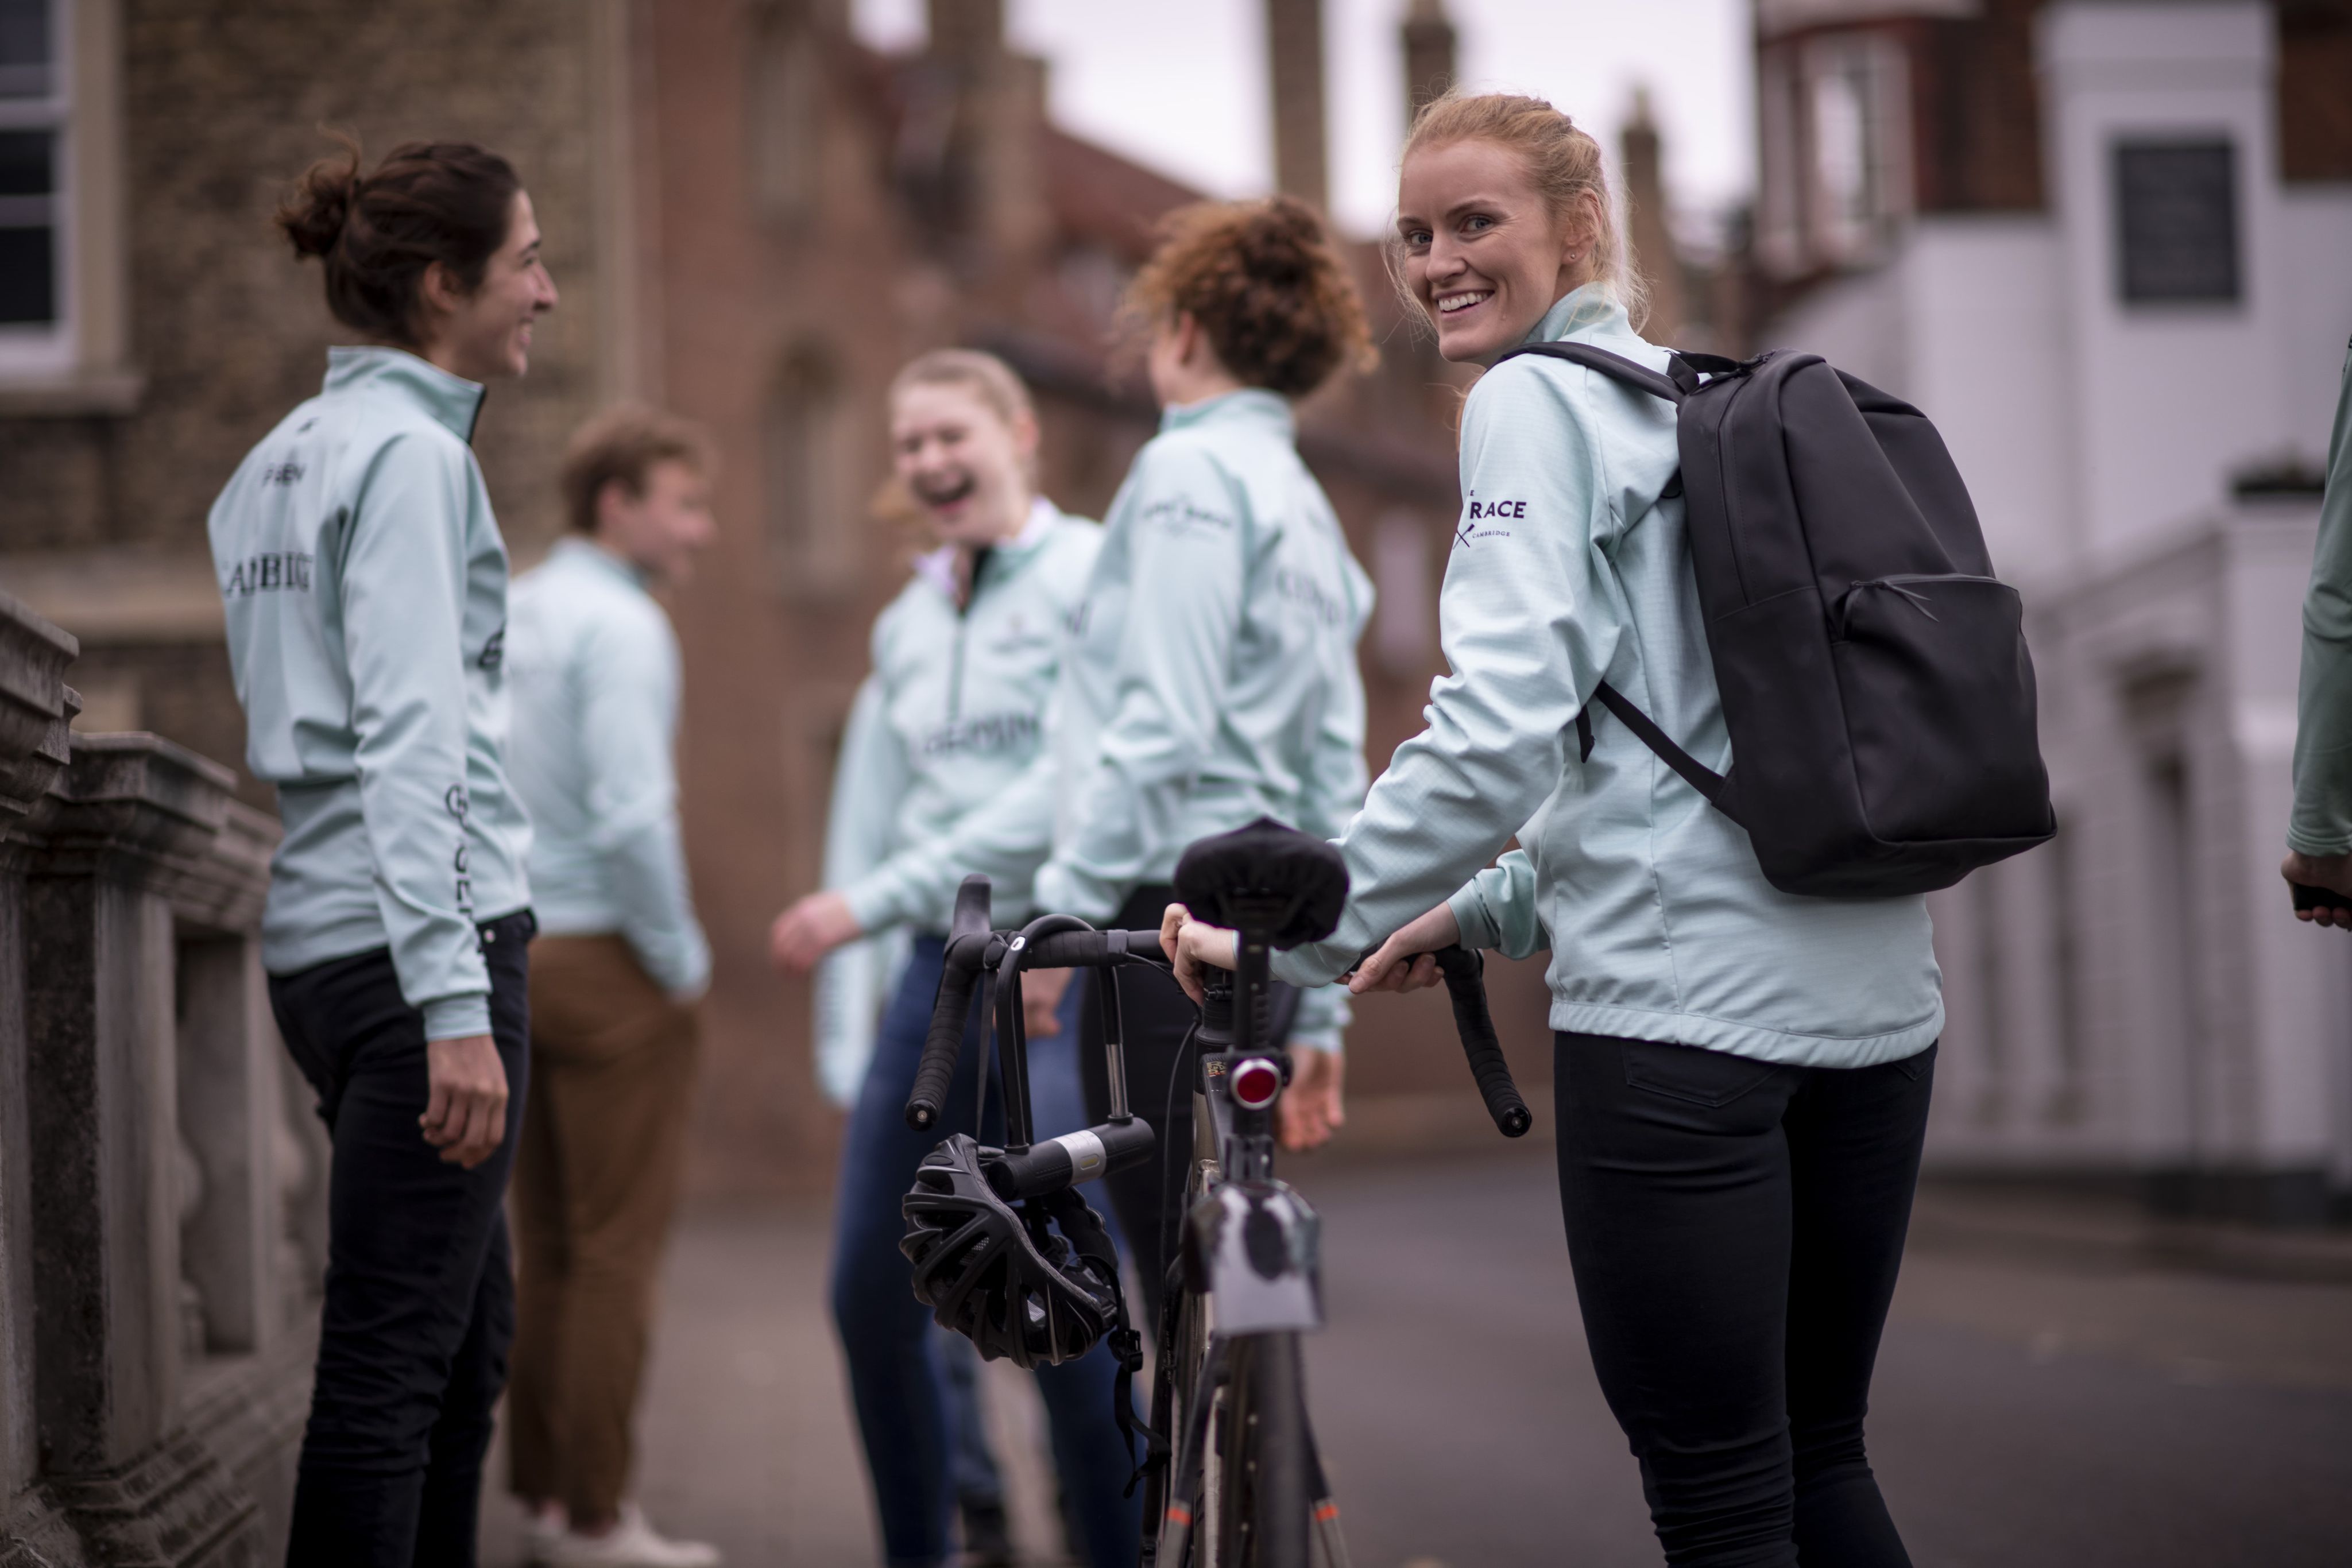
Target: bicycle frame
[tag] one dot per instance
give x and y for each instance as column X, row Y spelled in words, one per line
column 1228, row 1385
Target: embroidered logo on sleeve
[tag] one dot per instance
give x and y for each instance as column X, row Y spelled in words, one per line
column 1489, row 514
column 1178, row 514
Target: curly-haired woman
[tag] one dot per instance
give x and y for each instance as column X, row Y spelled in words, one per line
column 1213, row 678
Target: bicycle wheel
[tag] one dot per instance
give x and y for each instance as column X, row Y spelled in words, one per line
column 1262, row 1512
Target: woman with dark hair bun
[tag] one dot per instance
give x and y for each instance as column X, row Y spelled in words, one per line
column 365, row 584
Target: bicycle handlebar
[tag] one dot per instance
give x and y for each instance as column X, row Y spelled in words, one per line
column 1465, row 971
column 973, row 949
column 972, row 952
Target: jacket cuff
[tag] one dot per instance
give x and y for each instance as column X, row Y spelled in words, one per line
column 1476, row 921
column 878, row 899
column 457, row 1018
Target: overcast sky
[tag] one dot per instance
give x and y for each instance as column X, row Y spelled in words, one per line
column 1180, row 84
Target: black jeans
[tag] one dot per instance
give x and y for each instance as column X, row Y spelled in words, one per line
column 1735, row 1228
column 420, row 1283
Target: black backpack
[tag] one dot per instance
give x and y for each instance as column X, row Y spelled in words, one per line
column 1874, row 671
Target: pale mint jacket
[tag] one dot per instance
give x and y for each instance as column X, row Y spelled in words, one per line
column 594, row 666
column 1567, row 568
column 950, row 721
column 1213, row 676
column 2322, row 822
column 365, row 585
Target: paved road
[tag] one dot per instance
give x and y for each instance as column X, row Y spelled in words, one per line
column 2026, row 1416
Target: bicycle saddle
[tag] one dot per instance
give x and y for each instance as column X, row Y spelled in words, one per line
column 1219, row 878
column 1003, row 1278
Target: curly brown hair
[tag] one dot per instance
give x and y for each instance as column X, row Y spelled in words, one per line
column 1266, row 285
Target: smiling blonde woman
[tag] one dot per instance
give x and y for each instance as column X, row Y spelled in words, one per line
column 1741, row 1076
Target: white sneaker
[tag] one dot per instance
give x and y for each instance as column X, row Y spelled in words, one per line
column 631, row 1544
column 544, row 1530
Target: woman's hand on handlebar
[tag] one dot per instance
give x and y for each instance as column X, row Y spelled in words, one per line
column 1403, row 963
column 1192, row 945
column 809, row 930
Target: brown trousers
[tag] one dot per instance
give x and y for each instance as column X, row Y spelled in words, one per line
column 595, row 1182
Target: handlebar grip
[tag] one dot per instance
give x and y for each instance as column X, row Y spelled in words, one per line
column 953, row 1004
column 949, row 1014
column 1465, row 972
column 1092, row 949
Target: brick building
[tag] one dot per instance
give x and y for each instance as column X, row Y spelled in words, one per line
column 753, row 219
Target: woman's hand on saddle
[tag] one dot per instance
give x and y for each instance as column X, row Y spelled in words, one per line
column 1192, row 945
column 1403, row 963
column 809, row 930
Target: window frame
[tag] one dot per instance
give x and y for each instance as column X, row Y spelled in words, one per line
column 29, row 352
column 81, row 364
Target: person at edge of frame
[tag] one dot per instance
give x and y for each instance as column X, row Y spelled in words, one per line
column 2319, row 833
column 1212, row 677
column 365, row 589
column 1741, row 1076
column 953, row 715
column 616, row 972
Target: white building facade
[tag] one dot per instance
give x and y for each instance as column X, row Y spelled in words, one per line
column 2137, row 377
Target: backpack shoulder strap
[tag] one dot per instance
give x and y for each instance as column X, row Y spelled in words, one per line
column 1699, row 777
column 1616, row 367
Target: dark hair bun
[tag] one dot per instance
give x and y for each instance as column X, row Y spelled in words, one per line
column 446, row 201
column 314, row 215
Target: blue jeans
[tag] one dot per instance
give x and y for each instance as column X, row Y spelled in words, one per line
column 895, row 1378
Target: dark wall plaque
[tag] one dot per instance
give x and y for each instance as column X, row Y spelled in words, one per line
column 2176, row 221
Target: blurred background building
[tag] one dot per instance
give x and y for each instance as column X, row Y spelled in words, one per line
column 2104, row 246
column 2108, row 249
column 754, row 219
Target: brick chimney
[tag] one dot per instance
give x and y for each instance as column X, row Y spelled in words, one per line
column 993, row 203
column 1429, row 46
column 1642, row 160
column 967, row 31
column 1294, row 38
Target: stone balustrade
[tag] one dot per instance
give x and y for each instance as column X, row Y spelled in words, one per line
column 162, row 1175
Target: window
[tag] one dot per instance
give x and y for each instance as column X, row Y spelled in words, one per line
column 64, row 284
column 2177, row 222
column 1779, row 219
column 1858, row 106
column 787, row 129
column 813, row 518
column 1835, row 131
column 32, row 119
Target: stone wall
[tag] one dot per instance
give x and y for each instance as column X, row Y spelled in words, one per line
column 161, row 1188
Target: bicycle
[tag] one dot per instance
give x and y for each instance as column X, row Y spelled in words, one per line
column 1007, row 1252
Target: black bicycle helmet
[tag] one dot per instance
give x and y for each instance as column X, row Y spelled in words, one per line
column 1033, row 1285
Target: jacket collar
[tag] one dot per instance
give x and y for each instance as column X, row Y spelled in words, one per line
column 582, row 554
column 451, row 402
column 1593, row 312
column 1252, row 407
column 938, row 566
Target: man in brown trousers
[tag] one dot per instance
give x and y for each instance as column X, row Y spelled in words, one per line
column 615, row 973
